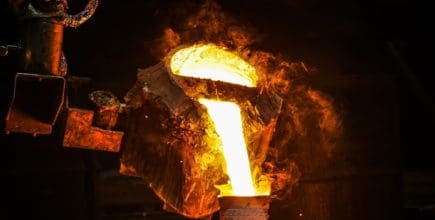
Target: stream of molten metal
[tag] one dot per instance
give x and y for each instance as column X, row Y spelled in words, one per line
column 228, row 124
column 208, row 61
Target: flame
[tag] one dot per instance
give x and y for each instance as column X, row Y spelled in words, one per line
column 208, row 61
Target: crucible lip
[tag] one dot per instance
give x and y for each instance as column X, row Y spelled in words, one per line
column 197, row 87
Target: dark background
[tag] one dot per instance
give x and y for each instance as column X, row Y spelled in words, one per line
column 373, row 57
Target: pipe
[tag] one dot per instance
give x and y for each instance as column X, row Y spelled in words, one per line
column 42, row 45
column 4, row 49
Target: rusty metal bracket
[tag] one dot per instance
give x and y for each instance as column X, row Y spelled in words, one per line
column 36, row 104
column 79, row 133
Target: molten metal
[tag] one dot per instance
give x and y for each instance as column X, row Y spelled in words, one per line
column 228, row 124
column 208, row 61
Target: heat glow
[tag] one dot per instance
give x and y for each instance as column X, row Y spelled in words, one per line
column 208, row 61
column 228, row 124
